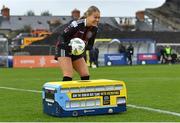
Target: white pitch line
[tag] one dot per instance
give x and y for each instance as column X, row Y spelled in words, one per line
column 129, row 105
column 154, row 110
column 18, row 89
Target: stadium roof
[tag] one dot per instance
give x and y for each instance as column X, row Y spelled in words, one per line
column 168, row 13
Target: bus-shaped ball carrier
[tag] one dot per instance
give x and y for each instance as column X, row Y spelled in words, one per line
column 88, row 97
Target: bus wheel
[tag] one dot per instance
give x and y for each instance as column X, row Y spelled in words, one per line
column 110, row 110
column 75, row 114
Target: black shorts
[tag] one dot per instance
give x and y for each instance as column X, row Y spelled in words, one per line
column 61, row 51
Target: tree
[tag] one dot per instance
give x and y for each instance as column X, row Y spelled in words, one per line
column 30, row 13
column 25, row 28
column 46, row 13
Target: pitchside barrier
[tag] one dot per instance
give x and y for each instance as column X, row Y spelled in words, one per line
column 147, row 58
column 115, row 59
column 34, row 62
column 48, row 61
column 88, row 97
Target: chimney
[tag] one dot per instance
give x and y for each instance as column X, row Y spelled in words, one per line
column 5, row 12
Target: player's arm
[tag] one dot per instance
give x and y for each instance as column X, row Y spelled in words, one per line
column 70, row 30
column 91, row 40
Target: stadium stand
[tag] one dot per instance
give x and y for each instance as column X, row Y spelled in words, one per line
column 168, row 14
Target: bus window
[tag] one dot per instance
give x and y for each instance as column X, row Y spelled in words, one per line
column 109, row 88
column 89, row 89
column 82, row 89
column 83, row 103
column 75, row 104
column 90, row 103
column 98, row 103
column 99, row 88
column 118, row 87
column 74, row 90
column 65, row 90
column 121, row 100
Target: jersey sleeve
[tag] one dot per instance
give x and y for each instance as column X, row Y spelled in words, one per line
column 71, row 29
column 91, row 40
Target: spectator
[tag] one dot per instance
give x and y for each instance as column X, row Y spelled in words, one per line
column 168, row 52
column 93, row 55
column 162, row 55
column 174, row 58
column 130, row 52
column 75, row 15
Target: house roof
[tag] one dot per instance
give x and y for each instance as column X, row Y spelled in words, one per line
column 41, row 22
column 36, row 22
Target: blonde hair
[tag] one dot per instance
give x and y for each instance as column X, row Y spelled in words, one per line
column 90, row 10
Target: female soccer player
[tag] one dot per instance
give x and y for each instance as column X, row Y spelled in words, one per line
column 85, row 29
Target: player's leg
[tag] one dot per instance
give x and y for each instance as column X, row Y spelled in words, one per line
column 66, row 67
column 81, row 67
column 65, row 61
column 130, row 59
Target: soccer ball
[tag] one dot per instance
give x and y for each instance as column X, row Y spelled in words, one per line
column 143, row 62
column 78, row 46
column 109, row 63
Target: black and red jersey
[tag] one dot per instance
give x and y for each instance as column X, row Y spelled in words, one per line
column 78, row 29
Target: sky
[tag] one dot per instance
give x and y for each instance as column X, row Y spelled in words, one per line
column 64, row 7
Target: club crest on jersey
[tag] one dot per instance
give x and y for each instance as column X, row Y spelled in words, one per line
column 74, row 24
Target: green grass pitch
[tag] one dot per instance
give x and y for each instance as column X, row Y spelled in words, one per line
column 154, row 86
